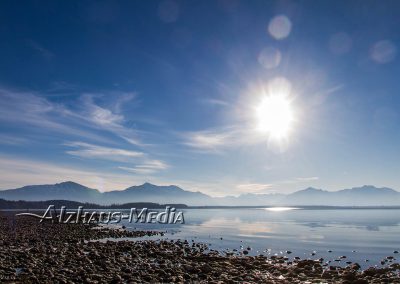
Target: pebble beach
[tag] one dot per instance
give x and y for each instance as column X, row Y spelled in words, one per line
column 33, row 252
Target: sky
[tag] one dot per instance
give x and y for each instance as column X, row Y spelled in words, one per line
column 112, row 94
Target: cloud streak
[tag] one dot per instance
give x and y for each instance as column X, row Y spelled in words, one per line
column 12, row 140
column 305, row 179
column 110, row 120
column 29, row 109
column 254, row 187
column 86, row 150
column 215, row 102
column 149, row 167
column 210, row 140
column 142, row 163
column 219, row 140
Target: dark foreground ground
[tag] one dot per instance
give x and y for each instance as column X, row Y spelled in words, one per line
column 33, row 252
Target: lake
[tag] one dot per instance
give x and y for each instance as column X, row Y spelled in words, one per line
column 358, row 234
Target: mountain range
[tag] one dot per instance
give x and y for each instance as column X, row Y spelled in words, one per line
column 367, row 195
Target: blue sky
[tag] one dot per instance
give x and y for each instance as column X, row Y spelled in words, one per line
column 115, row 93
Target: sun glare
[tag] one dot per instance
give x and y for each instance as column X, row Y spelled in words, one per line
column 274, row 116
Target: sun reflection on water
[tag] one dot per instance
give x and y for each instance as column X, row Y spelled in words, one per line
column 278, row 209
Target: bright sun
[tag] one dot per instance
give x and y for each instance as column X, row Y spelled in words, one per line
column 274, row 116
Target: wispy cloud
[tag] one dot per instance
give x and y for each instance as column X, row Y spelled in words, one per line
column 86, row 150
column 30, row 109
column 215, row 102
column 297, row 180
column 220, row 139
column 320, row 97
column 254, row 187
column 122, row 100
column 12, row 140
column 102, row 116
column 40, row 112
column 38, row 47
column 209, row 140
column 87, row 120
column 108, row 119
column 142, row 164
column 149, row 167
column 305, row 179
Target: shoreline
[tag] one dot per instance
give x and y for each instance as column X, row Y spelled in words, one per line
column 22, row 205
column 34, row 252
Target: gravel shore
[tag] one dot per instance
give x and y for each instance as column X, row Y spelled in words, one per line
column 33, row 252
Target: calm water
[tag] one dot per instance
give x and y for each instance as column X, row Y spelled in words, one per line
column 359, row 234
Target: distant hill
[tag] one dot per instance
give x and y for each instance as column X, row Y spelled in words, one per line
column 72, row 191
column 148, row 192
column 22, row 205
column 367, row 195
column 64, row 191
column 359, row 196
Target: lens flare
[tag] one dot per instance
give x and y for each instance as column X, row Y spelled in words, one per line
column 279, row 27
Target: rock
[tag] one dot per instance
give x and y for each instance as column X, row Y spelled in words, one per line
column 370, row 271
column 206, row 268
column 349, row 276
column 305, row 262
column 117, row 279
column 355, row 266
column 327, row 274
column 395, row 266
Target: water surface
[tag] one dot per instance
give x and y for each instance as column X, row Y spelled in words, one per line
column 358, row 234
